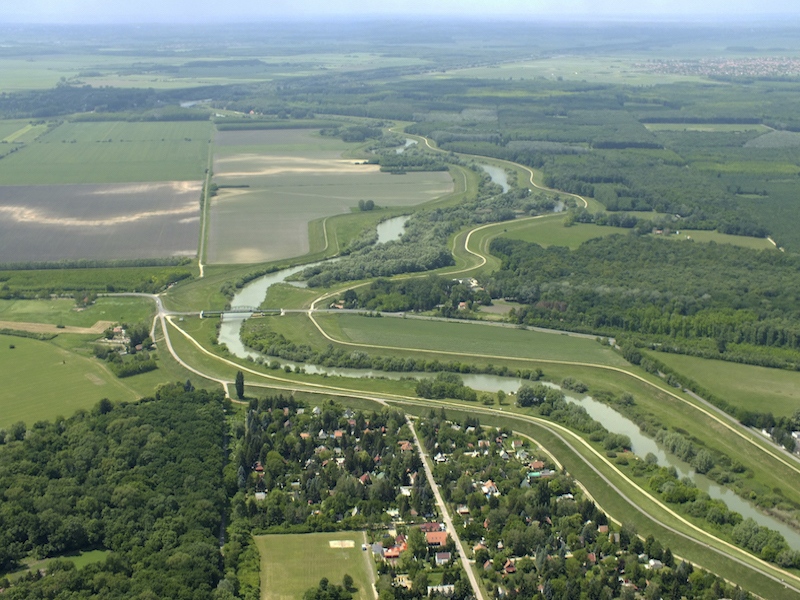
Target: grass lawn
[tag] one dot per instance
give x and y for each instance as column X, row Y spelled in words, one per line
column 291, row 564
column 466, row 338
column 111, row 152
column 747, row 386
column 41, row 381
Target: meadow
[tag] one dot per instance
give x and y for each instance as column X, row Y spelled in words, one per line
column 753, row 388
column 466, row 338
column 273, row 183
column 41, row 381
column 111, row 152
column 551, row 232
column 292, row 564
column 106, row 222
column 62, row 311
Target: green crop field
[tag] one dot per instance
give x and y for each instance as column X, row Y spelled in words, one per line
column 466, row 338
column 754, row 388
column 291, row 564
column 111, row 152
column 289, row 178
column 41, row 381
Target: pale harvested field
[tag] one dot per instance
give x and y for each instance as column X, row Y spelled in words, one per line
column 293, row 178
column 95, row 329
column 109, row 221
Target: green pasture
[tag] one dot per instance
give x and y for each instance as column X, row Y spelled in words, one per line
column 749, row 387
column 111, row 152
column 483, row 340
column 41, row 381
column 62, row 311
column 19, row 131
column 291, row 564
column 551, row 232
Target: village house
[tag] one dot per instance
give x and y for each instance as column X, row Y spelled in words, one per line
column 436, row 538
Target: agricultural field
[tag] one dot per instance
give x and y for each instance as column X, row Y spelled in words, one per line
column 292, row 564
column 757, row 389
column 72, row 381
column 112, row 221
column 111, row 152
column 465, row 338
column 274, row 182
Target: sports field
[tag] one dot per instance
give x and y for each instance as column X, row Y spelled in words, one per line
column 754, row 388
column 57, row 222
column 111, row 152
column 41, row 381
column 274, row 182
column 466, row 338
column 291, row 564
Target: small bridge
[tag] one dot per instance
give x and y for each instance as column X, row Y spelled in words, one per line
column 239, row 310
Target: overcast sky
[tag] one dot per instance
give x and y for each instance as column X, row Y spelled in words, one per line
column 148, row 11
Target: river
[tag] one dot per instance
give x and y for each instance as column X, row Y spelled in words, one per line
column 409, row 142
column 253, row 294
column 391, row 229
column 498, row 175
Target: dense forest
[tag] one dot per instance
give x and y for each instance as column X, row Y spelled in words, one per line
column 142, row 481
column 739, row 304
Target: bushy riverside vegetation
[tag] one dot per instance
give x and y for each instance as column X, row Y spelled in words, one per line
column 534, row 534
column 423, row 246
column 143, row 481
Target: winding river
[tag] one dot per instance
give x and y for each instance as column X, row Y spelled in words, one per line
column 253, row 294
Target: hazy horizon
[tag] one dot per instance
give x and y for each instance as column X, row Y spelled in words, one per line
column 208, row 11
